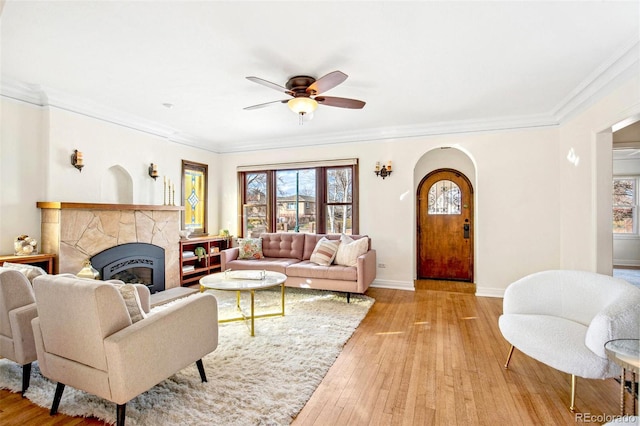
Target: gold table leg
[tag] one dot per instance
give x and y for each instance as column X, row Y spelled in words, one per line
column 572, row 408
column 622, row 377
column 252, row 313
column 634, row 393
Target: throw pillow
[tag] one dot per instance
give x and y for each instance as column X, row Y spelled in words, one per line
column 131, row 301
column 324, row 252
column 349, row 250
column 250, row 248
column 29, row 271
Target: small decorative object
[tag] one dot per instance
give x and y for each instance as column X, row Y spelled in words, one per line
column 77, row 160
column 200, row 252
column 169, row 198
column 384, row 171
column 215, row 249
column 224, row 233
column 153, row 171
column 88, row 271
column 25, row 245
column 184, row 233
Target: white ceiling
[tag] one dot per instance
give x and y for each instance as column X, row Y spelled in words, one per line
column 423, row 67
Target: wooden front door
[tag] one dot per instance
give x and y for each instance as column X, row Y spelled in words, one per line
column 445, row 226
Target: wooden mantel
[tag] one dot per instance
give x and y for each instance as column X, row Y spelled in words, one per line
column 60, row 205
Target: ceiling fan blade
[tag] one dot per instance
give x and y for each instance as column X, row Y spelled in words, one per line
column 327, row 82
column 270, row 84
column 340, row 102
column 284, row 101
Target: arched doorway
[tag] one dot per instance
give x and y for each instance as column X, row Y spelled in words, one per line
column 445, row 226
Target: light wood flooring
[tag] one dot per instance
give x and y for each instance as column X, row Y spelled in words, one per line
column 430, row 357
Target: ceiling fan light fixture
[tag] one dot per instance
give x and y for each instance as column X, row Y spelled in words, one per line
column 302, row 105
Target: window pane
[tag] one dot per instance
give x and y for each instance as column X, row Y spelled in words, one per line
column 444, row 198
column 339, row 183
column 255, row 220
column 623, row 220
column 296, row 200
column 339, row 219
column 256, row 191
column 624, row 192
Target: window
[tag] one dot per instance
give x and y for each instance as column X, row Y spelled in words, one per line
column 194, row 196
column 444, row 198
column 318, row 197
column 625, row 205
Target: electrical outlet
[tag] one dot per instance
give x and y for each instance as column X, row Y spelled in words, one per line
column 382, row 265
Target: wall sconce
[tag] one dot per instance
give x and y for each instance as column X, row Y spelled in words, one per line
column 153, row 171
column 76, row 160
column 384, row 171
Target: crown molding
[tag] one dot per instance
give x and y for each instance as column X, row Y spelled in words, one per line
column 49, row 97
column 399, row 132
column 621, row 65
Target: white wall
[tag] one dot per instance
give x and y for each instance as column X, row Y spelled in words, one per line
column 37, row 144
column 534, row 209
column 517, row 202
column 22, row 171
column 585, row 214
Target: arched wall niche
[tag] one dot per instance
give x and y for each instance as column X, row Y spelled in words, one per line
column 116, row 186
column 444, row 158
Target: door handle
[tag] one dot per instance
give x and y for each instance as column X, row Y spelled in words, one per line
column 466, row 230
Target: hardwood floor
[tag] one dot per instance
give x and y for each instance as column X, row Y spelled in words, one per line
column 430, row 357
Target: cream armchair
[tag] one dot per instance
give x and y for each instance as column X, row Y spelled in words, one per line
column 85, row 339
column 563, row 319
column 17, row 309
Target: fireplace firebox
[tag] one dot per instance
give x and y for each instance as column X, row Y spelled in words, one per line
column 136, row 263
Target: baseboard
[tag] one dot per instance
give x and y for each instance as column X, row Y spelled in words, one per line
column 489, row 292
column 394, row 285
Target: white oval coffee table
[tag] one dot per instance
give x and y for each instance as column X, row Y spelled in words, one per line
column 249, row 281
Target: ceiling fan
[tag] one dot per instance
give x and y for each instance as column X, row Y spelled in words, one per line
column 306, row 93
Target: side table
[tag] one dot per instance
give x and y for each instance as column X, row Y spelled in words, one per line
column 626, row 353
column 45, row 261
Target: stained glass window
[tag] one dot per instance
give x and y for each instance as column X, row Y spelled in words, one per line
column 444, row 198
column 194, row 181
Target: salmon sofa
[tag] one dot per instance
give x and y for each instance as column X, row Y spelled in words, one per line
column 289, row 253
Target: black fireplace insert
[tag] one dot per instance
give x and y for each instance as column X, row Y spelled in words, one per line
column 135, row 263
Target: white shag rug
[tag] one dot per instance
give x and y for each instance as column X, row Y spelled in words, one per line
column 261, row 380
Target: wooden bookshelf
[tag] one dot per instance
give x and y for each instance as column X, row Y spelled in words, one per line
column 191, row 267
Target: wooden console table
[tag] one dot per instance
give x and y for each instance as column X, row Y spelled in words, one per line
column 45, row 261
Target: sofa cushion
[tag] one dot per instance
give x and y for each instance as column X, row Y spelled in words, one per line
column 275, row 264
column 349, row 250
column 250, row 248
column 308, row 269
column 288, row 245
column 325, row 252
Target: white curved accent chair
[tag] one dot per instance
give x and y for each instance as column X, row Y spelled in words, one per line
column 85, row 338
column 563, row 318
column 17, row 309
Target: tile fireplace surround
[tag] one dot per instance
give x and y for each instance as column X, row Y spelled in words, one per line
column 76, row 231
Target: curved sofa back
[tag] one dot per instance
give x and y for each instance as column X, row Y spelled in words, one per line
column 575, row 295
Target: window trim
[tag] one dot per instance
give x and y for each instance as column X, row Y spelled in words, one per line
column 635, row 234
column 321, row 168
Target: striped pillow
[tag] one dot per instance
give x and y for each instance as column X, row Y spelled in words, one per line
column 325, row 252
